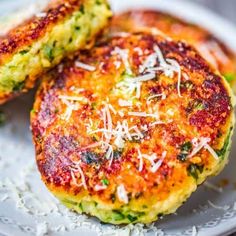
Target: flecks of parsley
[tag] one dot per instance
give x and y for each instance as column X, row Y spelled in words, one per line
column 23, row 52
column 117, row 154
column 82, row 9
column 230, row 77
column 113, row 197
column 185, row 150
column 18, row 86
column 187, row 85
column 117, row 215
column 48, row 52
column 90, row 157
column 105, row 182
column 200, row 106
column 132, row 218
column 194, row 170
column 221, row 153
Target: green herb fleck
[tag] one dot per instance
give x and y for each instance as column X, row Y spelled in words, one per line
column 186, row 147
column 70, row 40
column 138, row 195
column 81, row 206
column 187, row 85
column 113, row 197
column 230, row 77
column 98, row 2
column 132, row 218
column 117, row 215
column 221, row 153
column 19, row 86
column 105, row 182
column 185, row 150
column 82, row 9
column 194, row 170
column 93, row 105
column 48, row 52
column 23, row 52
column 182, row 157
column 66, row 201
column 77, row 28
column 199, row 106
column 90, row 157
column 117, row 154
column 126, row 75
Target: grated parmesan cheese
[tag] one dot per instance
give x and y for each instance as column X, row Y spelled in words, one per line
column 122, row 194
column 156, row 166
column 168, row 66
column 84, row 66
column 151, row 158
column 41, row 14
column 138, row 50
column 124, row 55
column 211, row 150
column 199, row 145
column 143, row 114
column 203, row 143
column 140, row 157
column 100, row 187
column 42, row 229
column 162, row 95
column 128, row 86
column 118, row 133
column 77, row 169
column 69, row 101
column 213, row 187
column 194, row 231
column 124, row 103
column 234, row 206
column 143, row 78
column 224, row 208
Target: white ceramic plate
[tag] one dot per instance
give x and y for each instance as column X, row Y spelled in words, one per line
column 27, row 208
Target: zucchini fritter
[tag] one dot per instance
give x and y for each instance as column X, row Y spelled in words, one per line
column 39, row 43
column 129, row 130
column 211, row 48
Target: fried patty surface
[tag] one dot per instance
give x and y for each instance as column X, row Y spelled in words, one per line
column 39, row 43
column 211, row 48
column 129, row 130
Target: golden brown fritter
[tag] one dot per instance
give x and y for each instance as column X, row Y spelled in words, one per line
column 130, row 129
column 211, row 48
column 39, row 43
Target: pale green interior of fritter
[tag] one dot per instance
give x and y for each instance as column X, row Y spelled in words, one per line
column 64, row 38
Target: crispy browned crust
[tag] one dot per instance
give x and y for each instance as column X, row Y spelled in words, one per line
column 60, row 143
column 31, row 30
column 136, row 20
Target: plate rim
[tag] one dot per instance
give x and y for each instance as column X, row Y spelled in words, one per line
column 228, row 226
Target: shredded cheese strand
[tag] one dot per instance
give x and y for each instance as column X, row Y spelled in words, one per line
column 122, row 194
column 77, row 169
column 124, row 55
column 84, row 66
column 224, row 208
column 143, row 114
column 203, row 144
column 140, row 157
